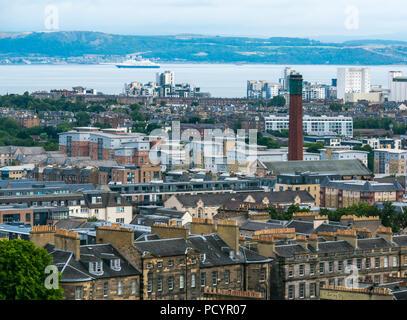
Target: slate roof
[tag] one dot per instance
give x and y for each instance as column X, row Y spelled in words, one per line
column 78, row 270
column 289, row 250
column 338, row 167
column 304, row 227
column 373, row 243
column 400, row 240
column 366, row 186
column 333, row 246
column 234, row 200
column 217, row 252
column 256, row 225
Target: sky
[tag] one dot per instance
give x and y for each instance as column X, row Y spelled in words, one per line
column 317, row 19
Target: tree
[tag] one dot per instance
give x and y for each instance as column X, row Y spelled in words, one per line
column 277, row 101
column 82, row 119
column 22, row 272
column 93, row 219
column 335, row 107
column 314, row 147
column 370, row 155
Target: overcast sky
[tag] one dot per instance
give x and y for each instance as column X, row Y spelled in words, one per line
column 263, row 18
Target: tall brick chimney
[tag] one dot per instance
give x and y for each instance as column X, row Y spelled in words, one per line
column 295, row 138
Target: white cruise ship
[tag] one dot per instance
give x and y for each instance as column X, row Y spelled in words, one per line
column 139, row 63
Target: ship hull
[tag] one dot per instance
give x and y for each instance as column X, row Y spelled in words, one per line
column 139, row 67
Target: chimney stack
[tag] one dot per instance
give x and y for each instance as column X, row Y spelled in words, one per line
column 228, row 230
column 41, row 235
column 69, row 241
column 295, row 138
column 313, row 240
column 169, row 231
column 115, row 235
column 348, row 235
column 385, row 233
column 202, row 226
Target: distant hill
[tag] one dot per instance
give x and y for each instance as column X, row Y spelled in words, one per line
column 209, row 49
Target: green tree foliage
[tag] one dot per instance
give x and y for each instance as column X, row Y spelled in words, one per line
column 277, row 101
column 82, row 119
column 370, row 155
column 287, row 214
column 22, row 272
column 336, row 107
column 314, row 147
column 268, row 142
column 282, row 134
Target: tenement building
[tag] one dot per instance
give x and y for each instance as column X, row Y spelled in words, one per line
column 180, row 265
column 345, row 257
column 89, row 272
column 342, row 194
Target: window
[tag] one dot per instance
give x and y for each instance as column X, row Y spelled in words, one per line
column 359, row 263
column 385, row 262
column 302, row 290
column 321, row 267
column 291, row 292
column 312, row 289
column 202, row 257
column 340, row 265
column 340, row 282
column 115, row 264
column 193, row 280
column 159, row 264
column 331, row 266
column 171, row 283
column 394, row 261
column 227, row 276
column 133, row 286
column 290, row 271
column 119, row 288
column 170, row 263
column 377, row 279
column 149, row 265
column 79, row 293
column 149, row 284
column 181, row 261
column 312, row 269
column 377, row 262
column 321, row 284
column 214, row 278
column 96, row 267
column 105, row 289
column 332, row 282
column 302, row 269
column 181, row 281
column 203, row 279
column 350, row 262
column 160, row 284
column 367, row 263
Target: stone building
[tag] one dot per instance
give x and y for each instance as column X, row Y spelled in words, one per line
column 89, row 272
column 305, row 264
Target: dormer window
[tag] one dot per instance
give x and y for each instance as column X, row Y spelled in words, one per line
column 115, row 264
column 96, row 268
column 202, row 257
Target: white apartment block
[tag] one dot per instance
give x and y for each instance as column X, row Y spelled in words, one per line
column 331, row 154
column 352, row 80
column 322, row 125
column 397, row 86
